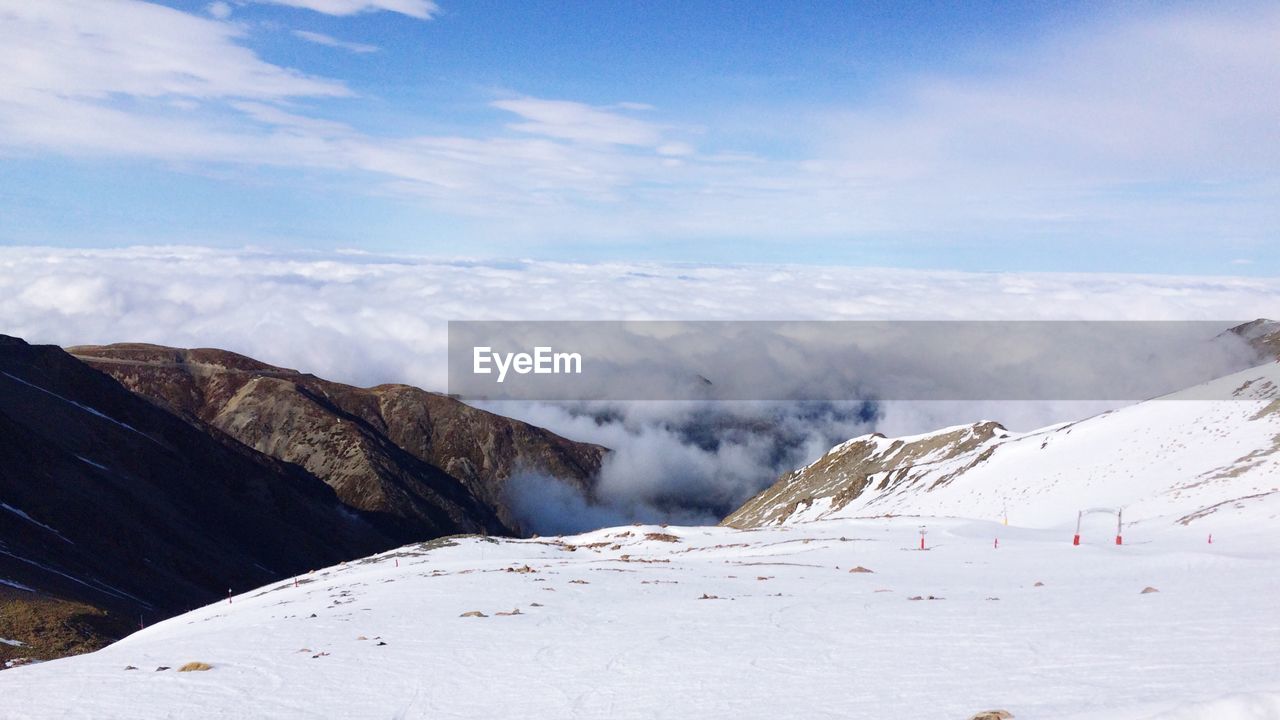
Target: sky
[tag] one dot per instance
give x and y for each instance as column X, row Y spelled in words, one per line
column 1043, row 137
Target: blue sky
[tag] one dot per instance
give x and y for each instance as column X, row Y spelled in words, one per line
column 974, row 136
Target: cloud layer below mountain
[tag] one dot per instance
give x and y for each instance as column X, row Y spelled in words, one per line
column 368, row 319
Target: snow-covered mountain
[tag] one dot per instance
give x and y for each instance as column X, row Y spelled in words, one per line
column 1184, row 458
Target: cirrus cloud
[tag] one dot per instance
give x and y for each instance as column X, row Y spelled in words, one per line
column 421, row 9
column 330, row 41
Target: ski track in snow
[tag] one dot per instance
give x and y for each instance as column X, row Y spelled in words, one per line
column 613, row 624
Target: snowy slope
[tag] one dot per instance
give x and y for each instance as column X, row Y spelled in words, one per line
column 1181, row 458
column 613, row 624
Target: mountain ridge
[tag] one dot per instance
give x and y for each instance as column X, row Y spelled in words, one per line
column 393, row 448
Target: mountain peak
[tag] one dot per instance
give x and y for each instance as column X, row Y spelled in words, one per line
column 1262, row 334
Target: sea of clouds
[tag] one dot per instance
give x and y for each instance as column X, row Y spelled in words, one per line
column 367, row 319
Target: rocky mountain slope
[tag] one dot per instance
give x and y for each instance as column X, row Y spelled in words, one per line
column 1182, row 457
column 426, row 462
column 114, row 511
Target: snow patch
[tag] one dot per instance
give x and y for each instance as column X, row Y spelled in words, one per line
column 33, row 521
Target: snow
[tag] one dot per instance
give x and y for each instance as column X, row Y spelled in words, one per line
column 82, row 406
column 13, row 643
column 33, row 521
column 1170, row 458
column 15, row 585
column 612, row 624
column 1254, row 706
column 91, row 583
column 87, row 461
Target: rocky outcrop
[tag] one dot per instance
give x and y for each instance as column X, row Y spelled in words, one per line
column 1263, row 335
column 851, row 468
column 423, row 461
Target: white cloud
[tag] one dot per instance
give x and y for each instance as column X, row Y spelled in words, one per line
column 133, row 79
column 219, row 9
column 578, row 122
column 368, row 319
column 329, row 41
column 85, row 50
column 421, row 9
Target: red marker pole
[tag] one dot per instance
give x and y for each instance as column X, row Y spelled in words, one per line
column 1210, row 538
column 997, row 545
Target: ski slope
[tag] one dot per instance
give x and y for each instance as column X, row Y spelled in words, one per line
column 650, row 622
